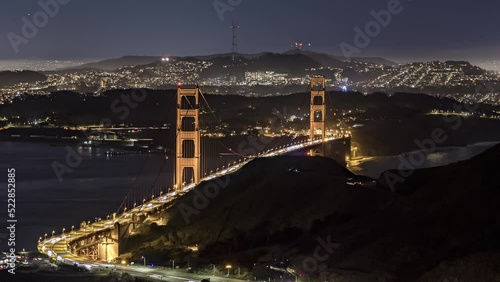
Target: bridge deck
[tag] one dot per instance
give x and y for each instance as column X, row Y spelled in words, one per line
column 58, row 246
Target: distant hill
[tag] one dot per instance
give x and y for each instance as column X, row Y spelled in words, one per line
column 9, row 78
column 458, row 76
column 113, row 64
column 292, row 64
column 226, row 55
column 339, row 61
column 406, row 114
column 322, row 58
column 375, row 60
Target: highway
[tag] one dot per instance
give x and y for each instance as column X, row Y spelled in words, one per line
column 166, row 274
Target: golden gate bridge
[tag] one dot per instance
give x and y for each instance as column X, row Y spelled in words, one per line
column 99, row 241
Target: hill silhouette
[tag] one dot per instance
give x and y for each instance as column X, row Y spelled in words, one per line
column 10, row 78
column 274, row 211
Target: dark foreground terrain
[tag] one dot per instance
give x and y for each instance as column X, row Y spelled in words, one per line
column 316, row 219
column 313, row 218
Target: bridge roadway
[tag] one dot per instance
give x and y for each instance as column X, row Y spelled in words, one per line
column 57, row 246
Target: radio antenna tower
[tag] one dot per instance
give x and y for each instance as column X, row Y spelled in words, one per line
column 235, row 28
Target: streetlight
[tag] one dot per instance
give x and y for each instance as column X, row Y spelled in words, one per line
column 173, row 264
column 144, row 258
column 228, row 268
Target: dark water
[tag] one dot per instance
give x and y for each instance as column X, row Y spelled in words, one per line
column 95, row 188
column 375, row 166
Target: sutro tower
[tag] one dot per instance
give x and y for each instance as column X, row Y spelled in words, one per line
column 235, row 28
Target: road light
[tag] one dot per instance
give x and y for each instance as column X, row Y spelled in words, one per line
column 72, row 228
column 53, row 233
column 228, row 267
column 173, row 264
column 144, row 258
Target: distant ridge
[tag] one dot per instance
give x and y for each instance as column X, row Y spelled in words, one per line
column 113, row 64
column 9, row 78
column 375, row 60
column 322, row 58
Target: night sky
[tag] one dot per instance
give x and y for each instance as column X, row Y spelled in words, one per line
column 424, row 30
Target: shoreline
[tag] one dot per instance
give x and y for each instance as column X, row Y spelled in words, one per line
column 374, row 166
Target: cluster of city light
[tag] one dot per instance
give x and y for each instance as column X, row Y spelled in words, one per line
column 427, row 74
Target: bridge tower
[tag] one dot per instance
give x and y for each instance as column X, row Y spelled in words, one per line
column 318, row 112
column 187, row 169
column 109, row 245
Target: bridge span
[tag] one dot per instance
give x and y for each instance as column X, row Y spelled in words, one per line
column 99, row 242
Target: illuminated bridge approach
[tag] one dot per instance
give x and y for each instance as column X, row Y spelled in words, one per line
column 99, row 241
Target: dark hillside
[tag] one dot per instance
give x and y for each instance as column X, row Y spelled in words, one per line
column 437, row 219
